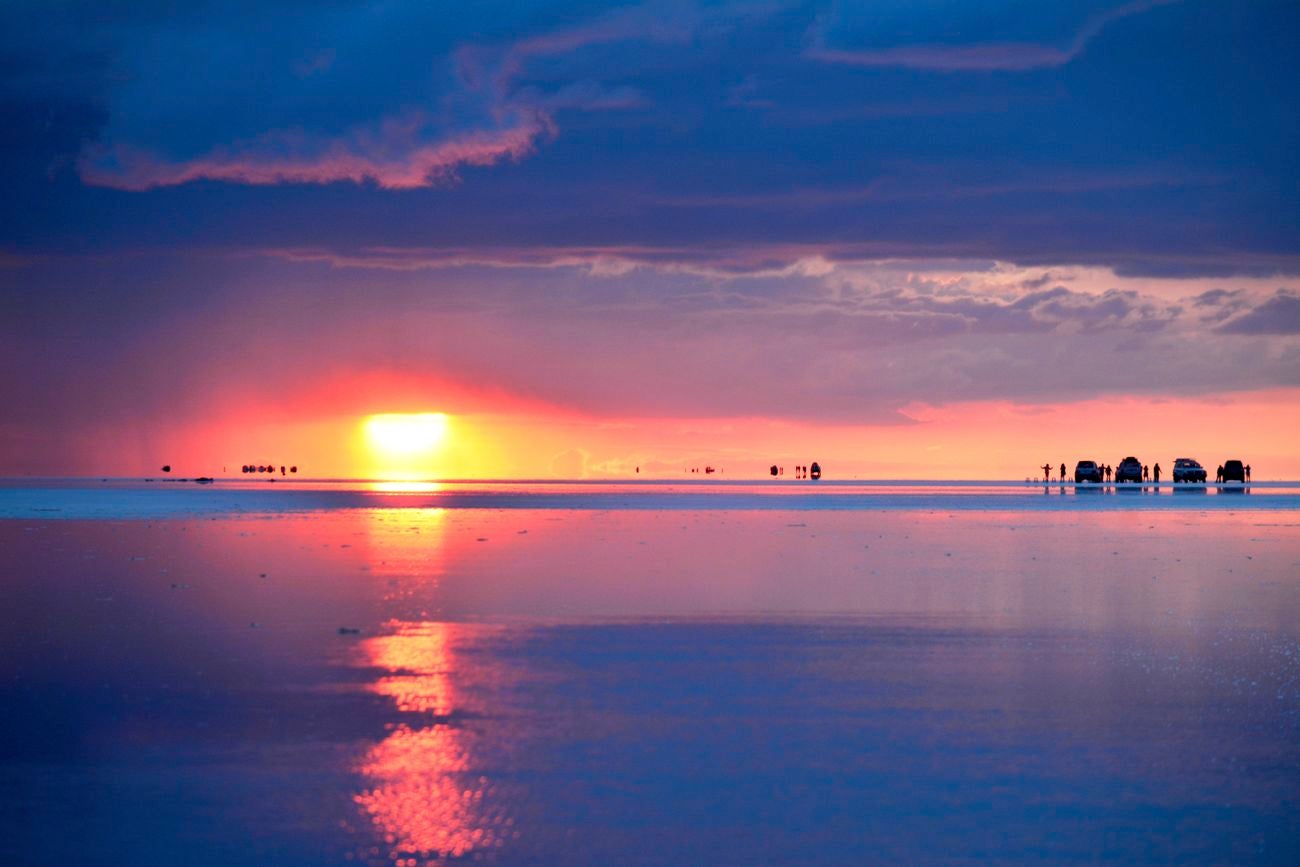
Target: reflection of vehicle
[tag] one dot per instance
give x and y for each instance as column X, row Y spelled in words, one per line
column 1087, row 471
column 1188, row 470
column 1129, row 470
column 1233, row 471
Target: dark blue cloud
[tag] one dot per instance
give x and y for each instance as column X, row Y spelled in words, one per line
column 1153, row 137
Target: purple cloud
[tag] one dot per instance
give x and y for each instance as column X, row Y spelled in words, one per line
column 1279, row 314
column 992, row 56
column 398, row 154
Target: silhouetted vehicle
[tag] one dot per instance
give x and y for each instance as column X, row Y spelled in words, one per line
column 1087, row 471
column 815, row 470
column 1234, row 471
column 1129, row 470
column 1188, row 470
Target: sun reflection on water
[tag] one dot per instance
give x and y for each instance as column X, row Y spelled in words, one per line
column 408, row 487
column 420, row 658
column 422, row 796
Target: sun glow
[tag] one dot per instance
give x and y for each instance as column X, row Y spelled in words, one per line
column 403, row 445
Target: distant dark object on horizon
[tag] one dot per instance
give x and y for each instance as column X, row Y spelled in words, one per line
column 1234, row 471
column 773, row 469
column 1187, row 470
column 1129, row 470
column 815, row 471
column 1087, row 471
column 167, row 468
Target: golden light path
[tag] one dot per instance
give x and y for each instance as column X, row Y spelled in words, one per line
column 423, row 793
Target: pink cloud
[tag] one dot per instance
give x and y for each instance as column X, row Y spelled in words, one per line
column 990, row 56
column 598, row 261
column 398, row 155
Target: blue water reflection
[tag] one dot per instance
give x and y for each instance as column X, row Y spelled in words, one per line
column 404, row 686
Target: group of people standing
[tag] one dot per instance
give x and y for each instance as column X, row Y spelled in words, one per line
column 1108, row 472
column 264, row 468
column 814, row 471
column 1219, row 473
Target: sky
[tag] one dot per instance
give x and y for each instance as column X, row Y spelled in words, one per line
column 929, row 239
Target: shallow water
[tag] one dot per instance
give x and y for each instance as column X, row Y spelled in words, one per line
column 690, row 684
column 170, row 498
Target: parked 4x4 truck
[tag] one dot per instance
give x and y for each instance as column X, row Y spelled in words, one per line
column 1188, row 470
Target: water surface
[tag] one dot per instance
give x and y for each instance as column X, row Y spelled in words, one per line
column 382, row 681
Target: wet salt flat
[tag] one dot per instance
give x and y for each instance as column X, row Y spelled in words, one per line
column 330, row 674
column 163, row 498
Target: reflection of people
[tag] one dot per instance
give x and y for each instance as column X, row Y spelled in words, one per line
column 1047, row 472
column 1157, row 473
column 1062, row 472
column 1248, row 472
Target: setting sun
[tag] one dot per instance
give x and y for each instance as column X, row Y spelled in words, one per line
column 402, row 444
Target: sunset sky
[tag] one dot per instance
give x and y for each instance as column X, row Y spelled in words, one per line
column 904, row 239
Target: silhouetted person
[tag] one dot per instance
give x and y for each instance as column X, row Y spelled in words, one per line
column 1108, row 472
column 1218, row 475
column 282, row 469
column 1146, row 473
column 1156, row 473
column 1248, row 472
column 1062, row 472
column 1047, row 473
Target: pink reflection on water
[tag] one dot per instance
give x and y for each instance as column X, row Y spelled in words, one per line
column 422, row 796
column 420, row 656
